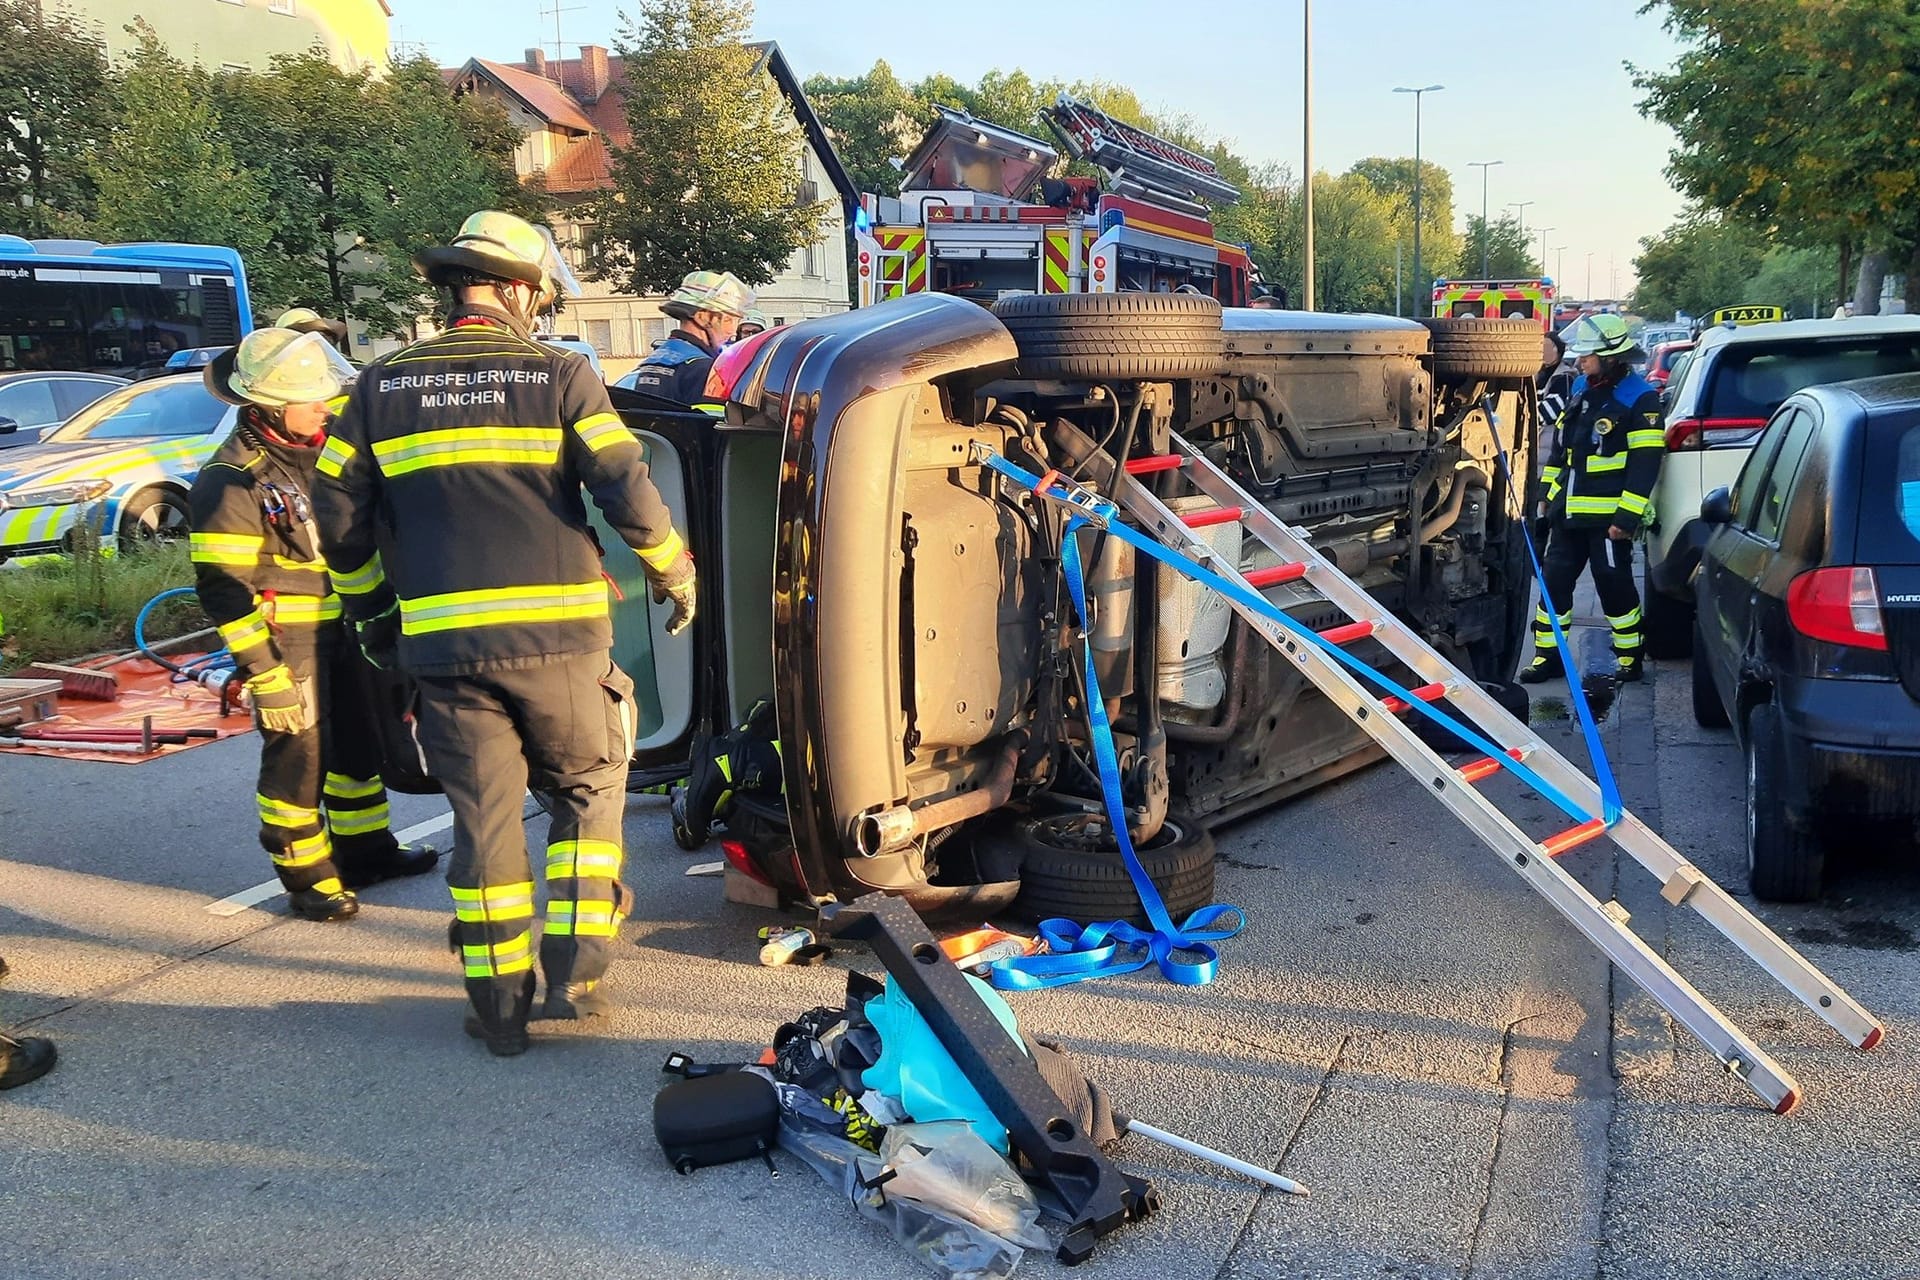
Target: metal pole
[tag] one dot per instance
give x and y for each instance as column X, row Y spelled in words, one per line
column 1306, row 147
column 1399, row 304
column 1521, row 205
column 1589, row 297
column 1420, row 282
column 1486, row 239
column 1543, row 250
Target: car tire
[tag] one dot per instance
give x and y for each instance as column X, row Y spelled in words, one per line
column 1784, row 864
column 1120, row 337
column 1666, row 623
column 1708, row 711
column 153, row 516
column 1473, row 347
column 1082, row 878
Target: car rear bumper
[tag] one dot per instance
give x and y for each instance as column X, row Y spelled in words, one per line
column 1853, row 749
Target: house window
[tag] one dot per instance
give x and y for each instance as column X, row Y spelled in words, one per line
column 810, row 262
column 656, row 331
column 599, row 335
column 280, row 6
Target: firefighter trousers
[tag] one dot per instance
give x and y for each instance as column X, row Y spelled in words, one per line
column 323, row 808
column 1569, row 551
column 565, row 729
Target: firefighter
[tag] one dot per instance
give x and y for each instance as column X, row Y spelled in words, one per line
column 1599, row 478
column 467, row 557
column 751, row 323
column 709, row 306
column 263, row 581
column 307, row 320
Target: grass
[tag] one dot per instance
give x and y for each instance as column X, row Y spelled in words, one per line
column 57, row 608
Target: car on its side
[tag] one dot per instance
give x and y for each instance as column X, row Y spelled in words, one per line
column 1736, row 377
column 122, row 466
column 1807, row 640
column 33, row 403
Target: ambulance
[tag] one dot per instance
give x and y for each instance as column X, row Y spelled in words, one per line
column 980, row 217
column 1496, row 299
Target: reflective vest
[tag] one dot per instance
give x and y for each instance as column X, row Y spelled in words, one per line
column 677, row 370
column 1607, row 455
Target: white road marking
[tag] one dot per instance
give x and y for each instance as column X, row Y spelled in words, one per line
column 234, row 904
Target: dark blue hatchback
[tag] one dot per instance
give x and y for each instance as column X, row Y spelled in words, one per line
column 1808, row 640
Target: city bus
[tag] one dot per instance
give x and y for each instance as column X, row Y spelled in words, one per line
column 116, row 308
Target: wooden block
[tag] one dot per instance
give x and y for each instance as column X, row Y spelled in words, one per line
column 34, row 699
column 750, row 892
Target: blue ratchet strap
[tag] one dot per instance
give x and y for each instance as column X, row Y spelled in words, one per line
column 1611, row 808
column 1075, row 952
column 1104, row 514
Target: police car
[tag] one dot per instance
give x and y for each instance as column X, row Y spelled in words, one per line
column 121, row 466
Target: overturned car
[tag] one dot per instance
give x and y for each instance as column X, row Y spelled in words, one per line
column 903, row 608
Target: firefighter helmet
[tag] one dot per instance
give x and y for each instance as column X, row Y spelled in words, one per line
column 307, row 320
column 721, row 292
column 278, row 367
column 755, row 319
column 499, row 246
column 1601, row 335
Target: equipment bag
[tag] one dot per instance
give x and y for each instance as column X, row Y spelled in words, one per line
column 717, row 1119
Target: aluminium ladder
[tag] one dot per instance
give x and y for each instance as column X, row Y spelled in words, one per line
column 1170, row 538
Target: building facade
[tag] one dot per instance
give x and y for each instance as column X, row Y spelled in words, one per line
column 239, row 35
column 570, row 113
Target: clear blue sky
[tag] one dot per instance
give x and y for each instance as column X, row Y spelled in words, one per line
column 1536, row 85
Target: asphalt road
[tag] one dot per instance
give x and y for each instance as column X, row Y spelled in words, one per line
column 1464, row 1083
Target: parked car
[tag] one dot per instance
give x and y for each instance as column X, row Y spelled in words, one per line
column 31, row 404
column 573, row 342
column 1736, row 377
column 904, row 611
column 1662, row 358
column 1658, row 335
column 123, row 464
column 1808, row 632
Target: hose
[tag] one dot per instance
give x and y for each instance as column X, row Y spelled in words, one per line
column 192, row 669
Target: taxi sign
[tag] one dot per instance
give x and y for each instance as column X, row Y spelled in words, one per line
column 1746, row 315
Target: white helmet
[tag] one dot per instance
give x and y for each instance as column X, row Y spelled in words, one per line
column 502, row 246
column 717, row 291
column 278, row 367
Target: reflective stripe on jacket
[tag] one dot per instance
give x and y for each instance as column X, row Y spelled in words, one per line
column 1607, row 455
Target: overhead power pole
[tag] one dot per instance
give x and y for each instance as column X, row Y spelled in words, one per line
column 1306, row 148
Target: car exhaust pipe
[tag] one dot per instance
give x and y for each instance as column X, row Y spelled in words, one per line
column 889, row 829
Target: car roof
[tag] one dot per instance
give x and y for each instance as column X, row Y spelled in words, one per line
column 1790, row 330
column 1889, row 393
column 25, row 375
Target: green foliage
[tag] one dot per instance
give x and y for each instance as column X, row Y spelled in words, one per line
column 1703, row 262
column 168, row 172
column 873, row 120
column 1498, row 250
column 712, row 179
column 61, row 607
column 56, row 102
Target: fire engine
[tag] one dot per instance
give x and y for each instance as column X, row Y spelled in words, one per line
column 979, row 216
column 1496, row 299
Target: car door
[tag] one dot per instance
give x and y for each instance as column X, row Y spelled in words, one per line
column 1749, row 559
column 1794, row 519
column 29, row 406
column 1722, row 593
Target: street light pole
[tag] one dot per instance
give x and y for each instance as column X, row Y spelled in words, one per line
column 1422, row 286
column 1306, row 147
column 1559, row 265
column 1543, row 249
column 1521, row 205
column 1589, row 297
column 1486, row 240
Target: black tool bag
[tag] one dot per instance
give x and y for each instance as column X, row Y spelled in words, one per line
column 718, row 1119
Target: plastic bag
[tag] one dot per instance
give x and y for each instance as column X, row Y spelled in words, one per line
column 949, row 1166
column 950, row 1246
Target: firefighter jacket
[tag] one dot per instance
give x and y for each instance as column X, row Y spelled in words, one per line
column 256, row 553
column 1607, row 454
column 451, row 485
column 677, row 370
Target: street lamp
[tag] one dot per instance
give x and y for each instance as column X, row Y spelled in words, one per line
column 1420, row 281
column 1306, row 148
column 1543, row 249
column 1589, row 296
column 1486, row 241
column 1521, row 205
column 1559, row 265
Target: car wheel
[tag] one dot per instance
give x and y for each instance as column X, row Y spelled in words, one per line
column 1467, row 347
column 1070, row 868
column 1783, row 864
column 1708, row 712
column 1666, row 623
column 153, row 516
column 1118, row 336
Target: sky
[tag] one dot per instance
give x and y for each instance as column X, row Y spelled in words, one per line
column 1534, row 84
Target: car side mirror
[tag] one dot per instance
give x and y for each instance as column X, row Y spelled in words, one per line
column 8, row 426
column 1717, row 507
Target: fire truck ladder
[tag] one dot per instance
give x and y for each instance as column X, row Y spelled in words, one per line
column 1170, row 538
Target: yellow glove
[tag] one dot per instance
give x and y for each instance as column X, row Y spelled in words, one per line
column 277, row 704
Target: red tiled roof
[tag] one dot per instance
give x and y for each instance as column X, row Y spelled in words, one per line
column 547, row 100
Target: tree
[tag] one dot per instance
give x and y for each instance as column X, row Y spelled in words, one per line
column 711, row 181
column 1703, row 262
column 1498, row 250
column 873, row 120
column 1352, row 243
column 56, row 105
column 1795, row 118
column 167, row 172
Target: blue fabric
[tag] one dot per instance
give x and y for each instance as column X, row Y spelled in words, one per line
column 673, row 353
column 916, row 1068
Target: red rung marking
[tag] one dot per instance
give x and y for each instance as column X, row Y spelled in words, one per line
column 1351, row 631
column 1278, row 573
column 1425, row 693
column 1485, row 767
column 1147, row 466
column 1573, row 837
column 1216, row 515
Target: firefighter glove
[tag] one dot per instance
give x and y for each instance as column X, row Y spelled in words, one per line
column 675, row 583
column 380, row 638
column 277, row 702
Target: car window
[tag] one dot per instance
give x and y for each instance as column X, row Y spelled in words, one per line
column 1747, row 487
column 29, row 403
column 1751, row 381
column 72, row 395
column 1889, row 530
column 146, row 409
column 1769, row 506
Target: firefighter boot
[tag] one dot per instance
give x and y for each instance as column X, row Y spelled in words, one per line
column 323, row 905
column 576, row 1001
column 22, row 1061
column 1627, row 668
column 1544, row 667
column 397, row 860
column 500, row 1013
